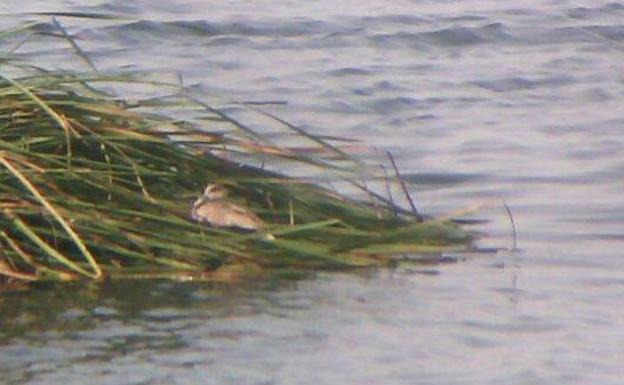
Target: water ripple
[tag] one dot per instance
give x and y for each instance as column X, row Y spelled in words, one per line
column 479, row 101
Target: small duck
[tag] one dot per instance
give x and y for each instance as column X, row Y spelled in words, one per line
column 214, row 209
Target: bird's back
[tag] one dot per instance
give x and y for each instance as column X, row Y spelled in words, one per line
column 222, row 213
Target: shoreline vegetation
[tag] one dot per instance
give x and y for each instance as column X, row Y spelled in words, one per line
column 94, row 186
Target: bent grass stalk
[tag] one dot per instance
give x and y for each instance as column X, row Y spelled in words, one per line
column 97, row 272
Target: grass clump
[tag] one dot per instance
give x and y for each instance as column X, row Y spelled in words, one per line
column 95, row 187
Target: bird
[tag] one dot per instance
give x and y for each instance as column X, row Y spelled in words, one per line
column 215, row 209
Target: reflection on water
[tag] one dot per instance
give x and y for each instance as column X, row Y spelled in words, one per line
column 478, row 101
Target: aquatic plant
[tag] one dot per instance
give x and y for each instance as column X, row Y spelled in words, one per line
column 94, row 186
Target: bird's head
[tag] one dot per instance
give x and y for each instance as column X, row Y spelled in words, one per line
column 215, row 191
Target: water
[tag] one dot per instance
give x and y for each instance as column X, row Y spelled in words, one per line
column 478, row 101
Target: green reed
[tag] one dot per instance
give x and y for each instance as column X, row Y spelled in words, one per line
column 92, row 186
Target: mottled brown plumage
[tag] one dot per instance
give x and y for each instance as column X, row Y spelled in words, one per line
column 214, row 209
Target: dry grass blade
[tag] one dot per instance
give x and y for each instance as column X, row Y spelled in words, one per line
column 84, row 15
column 7, row 271
column 513, row 227
column 315, row 138
column 19, row 29
column 76, row 47
column 415, row 212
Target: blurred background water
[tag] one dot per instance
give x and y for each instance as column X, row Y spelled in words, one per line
column 478, row 100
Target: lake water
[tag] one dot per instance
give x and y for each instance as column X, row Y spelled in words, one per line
column 478, row 100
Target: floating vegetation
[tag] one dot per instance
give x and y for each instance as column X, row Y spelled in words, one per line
column 92, row 186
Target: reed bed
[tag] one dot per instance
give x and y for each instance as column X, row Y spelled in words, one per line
column 96, row 187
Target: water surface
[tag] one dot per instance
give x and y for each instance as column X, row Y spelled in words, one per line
column 479, row 101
